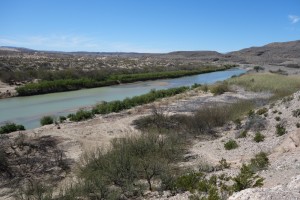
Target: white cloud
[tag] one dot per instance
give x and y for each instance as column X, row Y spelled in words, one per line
column 294, row 19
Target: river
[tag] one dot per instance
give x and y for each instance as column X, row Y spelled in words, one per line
column 28, row 110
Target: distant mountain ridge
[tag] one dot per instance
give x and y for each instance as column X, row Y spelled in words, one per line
column 273, row 53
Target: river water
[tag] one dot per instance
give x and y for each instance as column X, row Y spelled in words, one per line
column 28, row 110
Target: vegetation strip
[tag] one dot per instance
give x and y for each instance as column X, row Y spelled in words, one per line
column 60, row 85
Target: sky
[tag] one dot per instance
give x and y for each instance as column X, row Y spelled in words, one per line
column 155, row 26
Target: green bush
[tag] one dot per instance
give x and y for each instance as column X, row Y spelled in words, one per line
column 62, row 119
column 117, row 106
column 296, row 113
column 246, row 179
column 262, row 111
column 219, row 88
column 259, row 162
column 67, row 82
column 277, row 118
column 243, row 134
column 81, row 115
column 259, row 137
column 224, row 164
column 280, row 130
column 231, row 144
column 11, row 127
column 46, row 120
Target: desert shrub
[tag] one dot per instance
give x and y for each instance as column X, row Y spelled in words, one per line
column 251, row 113
column 219, row 88
column 131, row 159
column 255, row 123
column 46, row 120
column 279, row 85
column 262, row 111
column 62, row 119
column 34, row 190
column 277, row 118
column 280, row 129
column 81, row 115
column 117, row 106
column 259, row 137
column 259, row 162
column 189, row 181
column 238, row 123
column 296, row 113
column 11, row 127
column 298, row 125
column 279, row 113
column 224, row 164
column 242, row 134
column 4, row 165
column 274, row 111
column 231, row 144
column 287, row 99
column 258, row 68
column 246, row 179
column 195, row 85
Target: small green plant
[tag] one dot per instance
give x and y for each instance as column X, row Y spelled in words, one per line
column 46, row 120
column 279, row 113
column 238, row 123
column 224, row 164
column 296, row 113
column 260, row 161
column 246, row 179
column 274, row 111
column 280, row 130
column 266, row 115
column 259, row 137
column 11, row 127
column 258, row 68
column 189, row 182
column 243, row 134
column 220, row 88
column 262, row 111
column 81, row 115
column 231, row 144
column 277, row 118
column 195, row 85
column 62, row 119
column 251, row 113
column 287, row 99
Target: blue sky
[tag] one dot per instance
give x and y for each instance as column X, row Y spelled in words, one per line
column 147, row 25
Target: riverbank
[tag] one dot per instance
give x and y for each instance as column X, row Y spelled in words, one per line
column 7, row 91
column 75, row 138
column 61, row 85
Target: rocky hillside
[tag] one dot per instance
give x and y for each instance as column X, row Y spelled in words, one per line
column 280, row 53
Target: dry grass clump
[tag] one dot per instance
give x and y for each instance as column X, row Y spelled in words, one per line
column 279, row 85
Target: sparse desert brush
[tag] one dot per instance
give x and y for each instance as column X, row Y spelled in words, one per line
column 296, row 113
column 46, row 120
column 280, row 129
column 279, row 85
column 277, row 118
column 219, row 88
column 261, row 111
column 259, row 137
column 242, row 134
column 260, row 161
column 11, row 127
column 231, row 144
